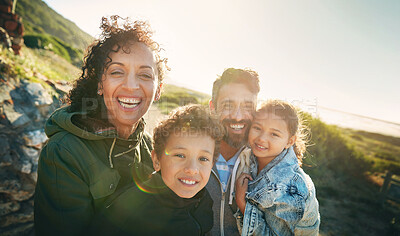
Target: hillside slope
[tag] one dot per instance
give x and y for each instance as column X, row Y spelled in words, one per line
column 39, row 18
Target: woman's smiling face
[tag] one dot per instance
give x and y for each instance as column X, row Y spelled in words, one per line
column 129, row 85
column 186, row 163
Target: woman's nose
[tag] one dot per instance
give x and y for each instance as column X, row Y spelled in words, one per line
column 131, row 81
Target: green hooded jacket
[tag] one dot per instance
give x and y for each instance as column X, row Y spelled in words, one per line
column 81, row 166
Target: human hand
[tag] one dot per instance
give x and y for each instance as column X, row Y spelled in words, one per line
column 241, row 189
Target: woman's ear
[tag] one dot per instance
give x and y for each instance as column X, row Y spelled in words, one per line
column 211, row 105
column 99, row 89
column 156, row 162
column 292, row 140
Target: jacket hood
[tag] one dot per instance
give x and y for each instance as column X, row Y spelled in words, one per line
column 81, row 125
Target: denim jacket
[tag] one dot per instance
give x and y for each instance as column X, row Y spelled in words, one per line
column 280, row 200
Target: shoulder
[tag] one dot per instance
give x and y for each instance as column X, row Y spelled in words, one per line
column 67, row 143
column 131, row 199
column 302, row 183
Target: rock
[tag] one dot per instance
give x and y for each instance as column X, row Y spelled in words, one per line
column 10, row 186
column 31, row 153
column 5, row 93
column 35, row 138
column 24, row 166
column 39, row 95
column 4, row 145
column 21, row 217
column 5, row 160
column 15, row 118
column 16, row 190
column 8, row 207
column 23, row 195
column 22, row 229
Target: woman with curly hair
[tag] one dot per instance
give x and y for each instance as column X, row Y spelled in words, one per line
column 97, row 144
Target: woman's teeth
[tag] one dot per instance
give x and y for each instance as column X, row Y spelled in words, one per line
column 191, row 182
column 129, row 102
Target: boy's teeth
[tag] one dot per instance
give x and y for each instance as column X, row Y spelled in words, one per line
column 237, row 126
column 188, row 181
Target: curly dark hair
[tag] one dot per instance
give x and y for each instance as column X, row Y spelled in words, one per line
column 245, row 76
column 117, row 34
column 192, row 119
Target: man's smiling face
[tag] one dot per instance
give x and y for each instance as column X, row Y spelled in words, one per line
column 235, row 106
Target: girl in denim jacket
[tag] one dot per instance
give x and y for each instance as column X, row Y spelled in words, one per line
column 275, row 196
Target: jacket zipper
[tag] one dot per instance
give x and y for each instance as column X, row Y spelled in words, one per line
column 221, row 215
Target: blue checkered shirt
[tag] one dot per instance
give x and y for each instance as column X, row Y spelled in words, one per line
column 225, row 169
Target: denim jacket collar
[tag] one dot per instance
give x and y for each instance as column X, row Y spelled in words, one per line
column 286, row 158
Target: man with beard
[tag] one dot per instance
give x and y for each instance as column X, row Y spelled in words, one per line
column 234, row 98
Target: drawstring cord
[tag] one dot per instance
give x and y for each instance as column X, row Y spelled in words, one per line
column 109, row 154
column 122, row 153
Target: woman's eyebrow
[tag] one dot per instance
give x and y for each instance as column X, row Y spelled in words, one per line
column 116, row 63
column 146, row 67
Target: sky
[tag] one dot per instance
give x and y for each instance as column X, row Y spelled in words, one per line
column 342, row 54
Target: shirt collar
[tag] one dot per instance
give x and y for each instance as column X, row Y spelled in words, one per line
column 231, row 161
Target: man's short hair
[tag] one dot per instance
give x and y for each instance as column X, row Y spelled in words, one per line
column 247, row 77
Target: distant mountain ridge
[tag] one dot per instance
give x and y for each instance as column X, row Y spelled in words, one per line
column 39, row 18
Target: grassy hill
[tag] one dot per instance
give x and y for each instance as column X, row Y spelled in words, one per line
column 46, row 29
column 38, row 18
column 174, row 96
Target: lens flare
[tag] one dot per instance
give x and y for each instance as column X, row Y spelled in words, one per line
column 141, row 173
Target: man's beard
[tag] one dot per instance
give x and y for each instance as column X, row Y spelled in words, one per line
column 232, row 139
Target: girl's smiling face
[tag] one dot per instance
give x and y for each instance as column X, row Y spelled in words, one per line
column 268, row 136
column 186, row 163
column 129, row 85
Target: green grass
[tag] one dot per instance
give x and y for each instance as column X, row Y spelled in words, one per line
column 383, row 152
column 37, row 65
column 341, row 163
column 38, row 18
column 174, row 96
column 54, row 44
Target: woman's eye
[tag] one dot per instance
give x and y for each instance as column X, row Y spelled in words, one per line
column 116, row 72
column 146, row 76
column 275, row 135
column 256, row 128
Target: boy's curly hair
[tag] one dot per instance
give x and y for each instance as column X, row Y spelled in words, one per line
column 291, row 116
column 117, row 34
column 191, row 119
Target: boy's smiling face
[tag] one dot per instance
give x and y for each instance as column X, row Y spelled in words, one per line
column 186, row 163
